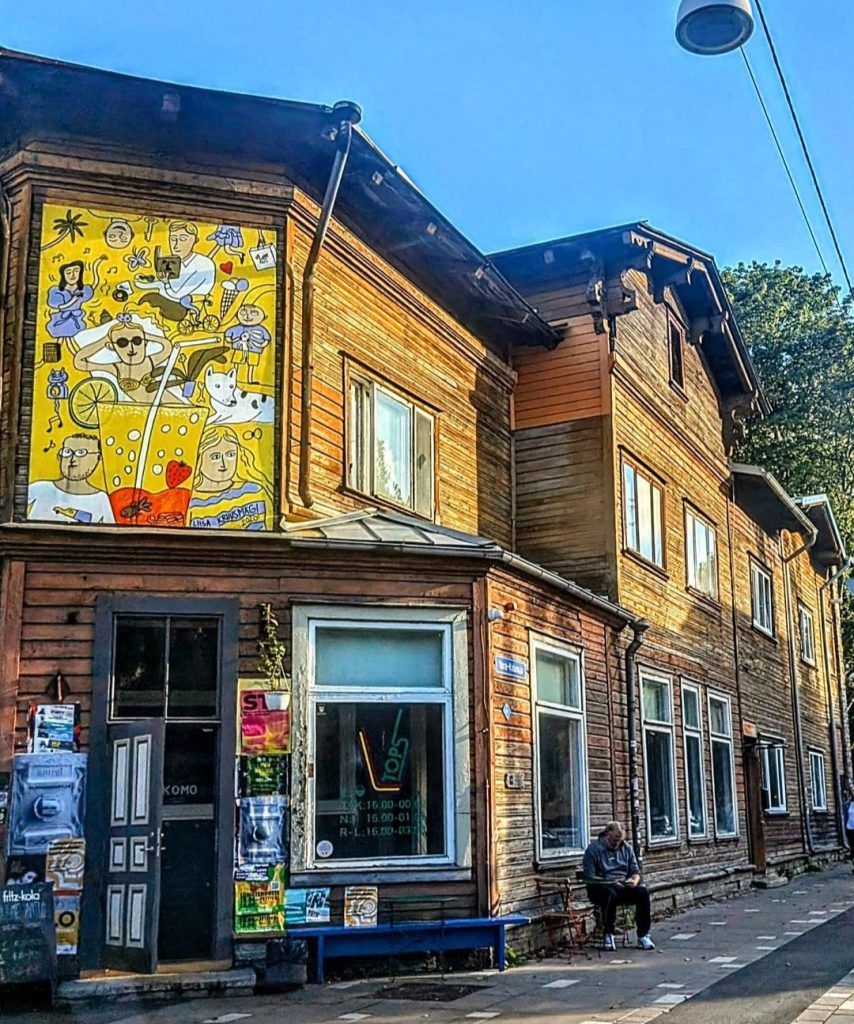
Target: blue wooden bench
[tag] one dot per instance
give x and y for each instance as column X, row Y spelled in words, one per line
column 409, row 937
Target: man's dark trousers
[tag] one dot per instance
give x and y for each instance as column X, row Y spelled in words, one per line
column 608, row 897
column 849, row 833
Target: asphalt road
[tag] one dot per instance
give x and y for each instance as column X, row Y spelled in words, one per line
column 777, row 988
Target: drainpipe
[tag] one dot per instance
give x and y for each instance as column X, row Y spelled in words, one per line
column 5, row 256
column 638, row 628
column 837, row 789
column 806, row 831
column 347, row 114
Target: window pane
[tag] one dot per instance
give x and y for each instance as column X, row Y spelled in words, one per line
column 189, row 765
column 630, row 507
column 656, row 700
column 424, row 471
column 139, row 667
column 193, row 668
column 722, row 781
column 380, row 779
column 393, row 454
column 719, row 717
column 691, row 709
column 691, row 550
column 378, row 657
column 561, row 807
column 696, row 796
column 657, row 550
column 557, row 679
column 358, row 434
column 659, row 781
column 645, row 525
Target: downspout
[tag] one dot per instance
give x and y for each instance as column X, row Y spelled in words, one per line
column 638, row 628
column 5, row 257
column 348, row 114
column 834, row 750
column 806, row 832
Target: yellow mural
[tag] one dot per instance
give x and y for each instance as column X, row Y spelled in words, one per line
column 153, row 387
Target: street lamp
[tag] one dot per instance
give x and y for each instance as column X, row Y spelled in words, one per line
column 713, row 26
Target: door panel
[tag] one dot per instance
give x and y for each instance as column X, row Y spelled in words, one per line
column 133, row 862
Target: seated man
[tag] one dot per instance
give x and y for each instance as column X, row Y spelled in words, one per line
column 612, row 875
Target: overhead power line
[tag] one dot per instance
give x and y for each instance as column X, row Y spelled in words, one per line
column 785, row 162
column 805, row 148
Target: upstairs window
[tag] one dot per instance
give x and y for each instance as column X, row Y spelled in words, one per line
column 642, row 518
column 762, row 598
column 391, row 447
column 807, row 634
column 676, row 342
column 701, row 555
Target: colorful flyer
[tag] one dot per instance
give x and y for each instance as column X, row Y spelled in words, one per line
column 65, row 862
column 360, row 906
column 53, row 728
column 264, row 775
column 307, row 906
column 66, row 914
column 260, row 906
column 262, row 835
column 265, row 719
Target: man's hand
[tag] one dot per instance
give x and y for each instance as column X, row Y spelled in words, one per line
column 632, row 881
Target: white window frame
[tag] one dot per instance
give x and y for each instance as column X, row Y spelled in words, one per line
column 632, row 538
column 819, row 800
column 695, row 732
column 655, row 725
column 806, row 631
column 541, row 707
column 718, row 737
column 694, row 521
column 453, row 624
column 761, row 597
column 778, row 751
column 362, row 393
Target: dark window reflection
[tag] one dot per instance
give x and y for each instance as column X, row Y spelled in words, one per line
column 193, row 658
column 139, row 667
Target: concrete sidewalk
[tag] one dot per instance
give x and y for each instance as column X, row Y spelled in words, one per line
column 695, row 950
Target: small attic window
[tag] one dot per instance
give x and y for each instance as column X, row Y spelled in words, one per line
column 676, row 343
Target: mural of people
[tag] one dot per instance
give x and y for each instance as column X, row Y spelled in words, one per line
column 147, row 339
column 72, row 497
column 177, row 283
column 229, row 490
column 66, row 299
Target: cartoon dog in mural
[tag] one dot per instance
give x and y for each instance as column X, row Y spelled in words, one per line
column 149, row 377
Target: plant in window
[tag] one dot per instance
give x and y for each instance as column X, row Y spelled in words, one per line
column 386, row 477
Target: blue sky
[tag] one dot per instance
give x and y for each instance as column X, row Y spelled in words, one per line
column 523, row 121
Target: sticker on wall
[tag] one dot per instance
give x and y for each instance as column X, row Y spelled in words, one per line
column 66, row 914
column 265, row 724
column 65, row 862
column 307, row 906
column 262, row 832
column 260, row 906
column 48, row 800
column 324, row 849
column 53, row 728
column 153, row 390
column 360, row 906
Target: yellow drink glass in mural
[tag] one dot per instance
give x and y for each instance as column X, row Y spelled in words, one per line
column 154, row 375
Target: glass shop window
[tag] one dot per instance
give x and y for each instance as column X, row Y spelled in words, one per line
column 165, row 666
column 381, row 719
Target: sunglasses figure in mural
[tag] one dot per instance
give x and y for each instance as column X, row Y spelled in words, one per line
column 149, row 375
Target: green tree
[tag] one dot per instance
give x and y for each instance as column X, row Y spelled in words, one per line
column 800, row 333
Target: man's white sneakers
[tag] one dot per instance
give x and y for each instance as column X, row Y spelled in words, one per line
column 644, row 942
column 608, row 944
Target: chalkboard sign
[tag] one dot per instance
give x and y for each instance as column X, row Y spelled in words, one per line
column 27, row 936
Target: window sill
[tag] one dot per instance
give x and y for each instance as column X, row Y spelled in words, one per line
column 704, row 601
column 698, row 840
column 388, row 876
column 561, row 863
column 808, row 663
column 375, row 500
column 663, row 844
column 784, row 813
column 764, row 633
column 678, row 390
column 820, row 810
column 728, row 839
column 634, row 556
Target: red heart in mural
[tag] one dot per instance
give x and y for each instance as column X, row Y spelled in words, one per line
column 226, row 268
column 176, row 473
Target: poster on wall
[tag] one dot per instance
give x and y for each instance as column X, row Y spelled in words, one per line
column 307, row 906
column 53, row 728
column 360, row 906
column 66, row 859
column 265, row 719
column 48, row 801
column 262, row 833
column 260, row 906
column 66, row 914
column 154, row 377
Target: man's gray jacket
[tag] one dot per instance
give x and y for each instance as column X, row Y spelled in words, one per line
column 600, row 861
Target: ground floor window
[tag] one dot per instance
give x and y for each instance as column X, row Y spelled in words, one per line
column 695, row 775
column 723, row 769
column 817, row 779
column 657, row 701
column 774, row 778
column 560, row 750
column 385, row 750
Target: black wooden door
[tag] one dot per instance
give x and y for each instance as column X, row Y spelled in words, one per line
column 132, row 882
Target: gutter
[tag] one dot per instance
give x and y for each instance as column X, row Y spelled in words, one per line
column 639, row 627
column 5, row 257
column 348, row 114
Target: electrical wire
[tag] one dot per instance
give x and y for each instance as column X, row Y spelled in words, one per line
column 805, row 148
column 785, row 162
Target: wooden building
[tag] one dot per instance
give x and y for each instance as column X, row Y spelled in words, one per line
column 623, row 440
